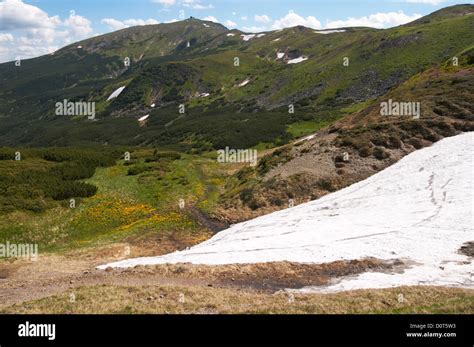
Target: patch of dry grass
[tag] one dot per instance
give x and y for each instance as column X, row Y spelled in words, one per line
column 113, row 299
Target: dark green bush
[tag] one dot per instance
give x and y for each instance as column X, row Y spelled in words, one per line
column 365, row 152
column 380, row 153
column 416, row 142
column 394, row 142
column 137, row 169
column 7, row 154
column 35, row 188
column 170, row 155
column 71, row 189
column 73, row 171
column 246, row 195
column 326, row 184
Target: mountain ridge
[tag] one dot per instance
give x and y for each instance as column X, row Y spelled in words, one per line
column 197, row 68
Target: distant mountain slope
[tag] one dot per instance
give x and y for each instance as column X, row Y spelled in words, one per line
column 152, row 40
column 418, row 211
column 445, row 13
column 194, row 63
column 313, row 167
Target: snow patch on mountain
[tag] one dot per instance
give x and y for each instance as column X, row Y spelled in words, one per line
column 145, row 117
column 247, row 37
column 244, row 83
column 307, row 138
column 419, row 210
column 325, row 32
column 297, row 60
column 116, row 93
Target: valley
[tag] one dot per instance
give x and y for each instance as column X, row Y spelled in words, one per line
column 185, row 167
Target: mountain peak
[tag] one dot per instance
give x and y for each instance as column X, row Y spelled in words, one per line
column 445, row 13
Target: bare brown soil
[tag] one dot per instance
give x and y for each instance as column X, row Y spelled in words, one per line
column 467, row 249
column 265, row 277
column 22, row 280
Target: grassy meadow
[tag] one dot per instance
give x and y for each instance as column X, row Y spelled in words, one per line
column 136, row 197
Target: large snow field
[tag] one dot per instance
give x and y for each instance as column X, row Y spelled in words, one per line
column 419, row 210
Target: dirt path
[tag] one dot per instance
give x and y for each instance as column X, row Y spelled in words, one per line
column 204, row 220
column 22, row 281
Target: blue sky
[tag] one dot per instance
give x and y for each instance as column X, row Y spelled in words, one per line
column 30, row 28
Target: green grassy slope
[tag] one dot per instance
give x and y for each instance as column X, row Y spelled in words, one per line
column 135, row 198
column 310, row 169
column 166, row 72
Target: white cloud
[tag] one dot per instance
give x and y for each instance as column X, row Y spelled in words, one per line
column 174, row 20
column 165, row 2
column 115, row 24
column 6, row 37
column 211, row 18
column 230, row 23
column 194, row 4
column 292, row 19
column 18, row 15
column 253, row 29
column 79, row 26
column 26, row 51
column 32, row 32
column 201, row 7
column 377, row 20
column 262, row 19
column 134, row 22
column 244, row 17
